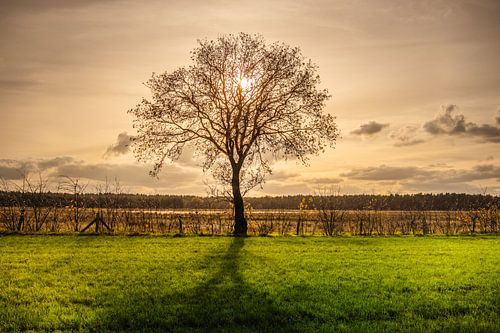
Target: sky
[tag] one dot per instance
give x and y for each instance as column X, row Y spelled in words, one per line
column 415, row 89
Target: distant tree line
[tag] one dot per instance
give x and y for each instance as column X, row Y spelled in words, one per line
column 395, row 202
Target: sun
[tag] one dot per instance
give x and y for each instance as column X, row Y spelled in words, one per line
column 246, row 83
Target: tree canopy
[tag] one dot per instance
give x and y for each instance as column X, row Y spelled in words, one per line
column 240, row 104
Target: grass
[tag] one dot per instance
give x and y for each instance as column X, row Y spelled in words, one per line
column 224, row 284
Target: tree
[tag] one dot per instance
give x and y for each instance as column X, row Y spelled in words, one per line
column 77, row 190
column 241, row 104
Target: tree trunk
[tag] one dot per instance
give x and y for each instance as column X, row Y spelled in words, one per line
column 240, row 223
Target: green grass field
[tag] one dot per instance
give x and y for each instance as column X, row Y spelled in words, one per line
column 227, row 284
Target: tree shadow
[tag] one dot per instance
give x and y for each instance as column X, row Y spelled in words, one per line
column 223, row 302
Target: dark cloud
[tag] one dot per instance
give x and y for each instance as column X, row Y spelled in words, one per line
column 487, row 132
column 425, row 175
column 15, row 170
column 453, row 180
column 17, row 84
column 15, row 6
column 54, row 162
column 406, row 136
column 136, row 175
column 383, row 172
column 10, row 173
column 478, row 172
column 128, row 174
column 283, row 175
column 370, row 128
column 7, row 161
column 324, row 180
column 439, row 187
column 121, row 146
column 440, row 165
column 449, row 124
column 446, row 123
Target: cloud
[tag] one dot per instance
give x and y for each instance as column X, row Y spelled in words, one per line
column 171, row 178
column 370, row 128
column 128, row 174
column 18, row 84
column 12, row 6
column 447, row 123
column 324, row 180
column 455, row 180
column 187, row 157
column 487, row 132
column 282, row 175
column 10, row 173
column 280, row 188
column 281, row 182
column 54, row 162
column 15, row 170
column 406, row 136
column 120, row 147
column 478, row 172
column 425, row 175
column 432, row 178
column 382, row 172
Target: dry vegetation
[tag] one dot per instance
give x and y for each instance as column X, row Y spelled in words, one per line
column 29, row 208
column 261, row 222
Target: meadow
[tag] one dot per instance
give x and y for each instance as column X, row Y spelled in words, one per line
column 228, row 284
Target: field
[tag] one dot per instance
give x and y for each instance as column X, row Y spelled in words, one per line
column 226, row 284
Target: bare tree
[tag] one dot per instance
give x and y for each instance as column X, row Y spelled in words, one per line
column 327, row 203
column 40, row 208
column 16, row 214
column 240, row 104
column 76, row 189
column 13, row 211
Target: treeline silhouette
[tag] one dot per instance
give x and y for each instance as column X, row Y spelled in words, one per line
column 396, row 202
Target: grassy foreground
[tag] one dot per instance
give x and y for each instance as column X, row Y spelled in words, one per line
column 255, row 284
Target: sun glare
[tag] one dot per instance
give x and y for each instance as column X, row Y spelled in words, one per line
column 245, row 83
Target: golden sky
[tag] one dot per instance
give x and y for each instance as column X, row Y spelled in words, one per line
column 415, row 86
